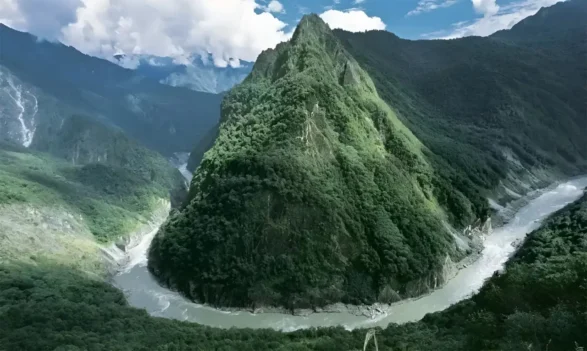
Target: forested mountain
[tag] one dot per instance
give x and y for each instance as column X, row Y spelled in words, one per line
column 82, row 141
column 559, row 25
column 317, row 191
column 195, row 75
column 506, row 110
column 40, row 81
column 313, row 193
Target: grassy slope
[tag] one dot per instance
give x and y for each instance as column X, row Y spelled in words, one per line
column 314, row 192
column 538, row 301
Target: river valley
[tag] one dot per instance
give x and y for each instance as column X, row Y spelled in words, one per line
column 142, row 291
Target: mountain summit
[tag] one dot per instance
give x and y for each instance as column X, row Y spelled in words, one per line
column 314, row 192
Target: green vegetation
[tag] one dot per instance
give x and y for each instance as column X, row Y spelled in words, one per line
column 537, row 304
column 313, row 193
column 113, row 196
column 475, row 102
column 82, row 141
column 540, row 300
column 316, row 192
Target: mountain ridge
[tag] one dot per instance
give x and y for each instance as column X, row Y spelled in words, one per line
column 167, row 119
column 194, row 75
column 492, row 107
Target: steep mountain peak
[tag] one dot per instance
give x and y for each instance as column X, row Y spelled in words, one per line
column 315, row 50
column 310, row 26
column 302, row 171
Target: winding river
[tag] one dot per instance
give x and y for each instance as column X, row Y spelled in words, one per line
column 142, row 290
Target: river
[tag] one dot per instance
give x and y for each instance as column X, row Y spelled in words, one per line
column 142, row 290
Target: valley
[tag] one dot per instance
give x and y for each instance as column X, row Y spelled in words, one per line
column 143, row 291
column 345, row 191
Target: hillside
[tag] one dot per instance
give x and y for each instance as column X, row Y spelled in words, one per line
column 43, row 81
column 506, row 111
column 81, row 140
column 97, row 172
column 313, row 193
column 79, row 185
column 53, row 210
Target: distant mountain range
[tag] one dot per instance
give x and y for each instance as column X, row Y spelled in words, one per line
column 196, row 75
column 42, row 83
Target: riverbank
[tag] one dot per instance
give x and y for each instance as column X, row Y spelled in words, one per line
column 128, row 247
column 474, row 235
column 142, row 291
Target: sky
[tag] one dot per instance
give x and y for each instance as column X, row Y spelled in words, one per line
column 234, row 30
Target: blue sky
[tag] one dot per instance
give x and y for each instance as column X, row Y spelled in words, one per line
column 424, row 19
column 234, row 30
column 392, row 12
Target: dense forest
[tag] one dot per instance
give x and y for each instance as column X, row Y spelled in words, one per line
column 313, row 193
column 538, row 303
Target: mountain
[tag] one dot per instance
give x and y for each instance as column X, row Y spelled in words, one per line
column 505, row 111
column 195, row 75
column 41, row 81
column 325, row 185
column 313, row 193
column 561, row 24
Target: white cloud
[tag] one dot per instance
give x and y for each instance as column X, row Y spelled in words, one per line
column 352, row 20
column 505, row 18
column 228, row 29
column 10, row 15
column 485, row 7
column 357, row 2
column 430, row 5
column 275, row 6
